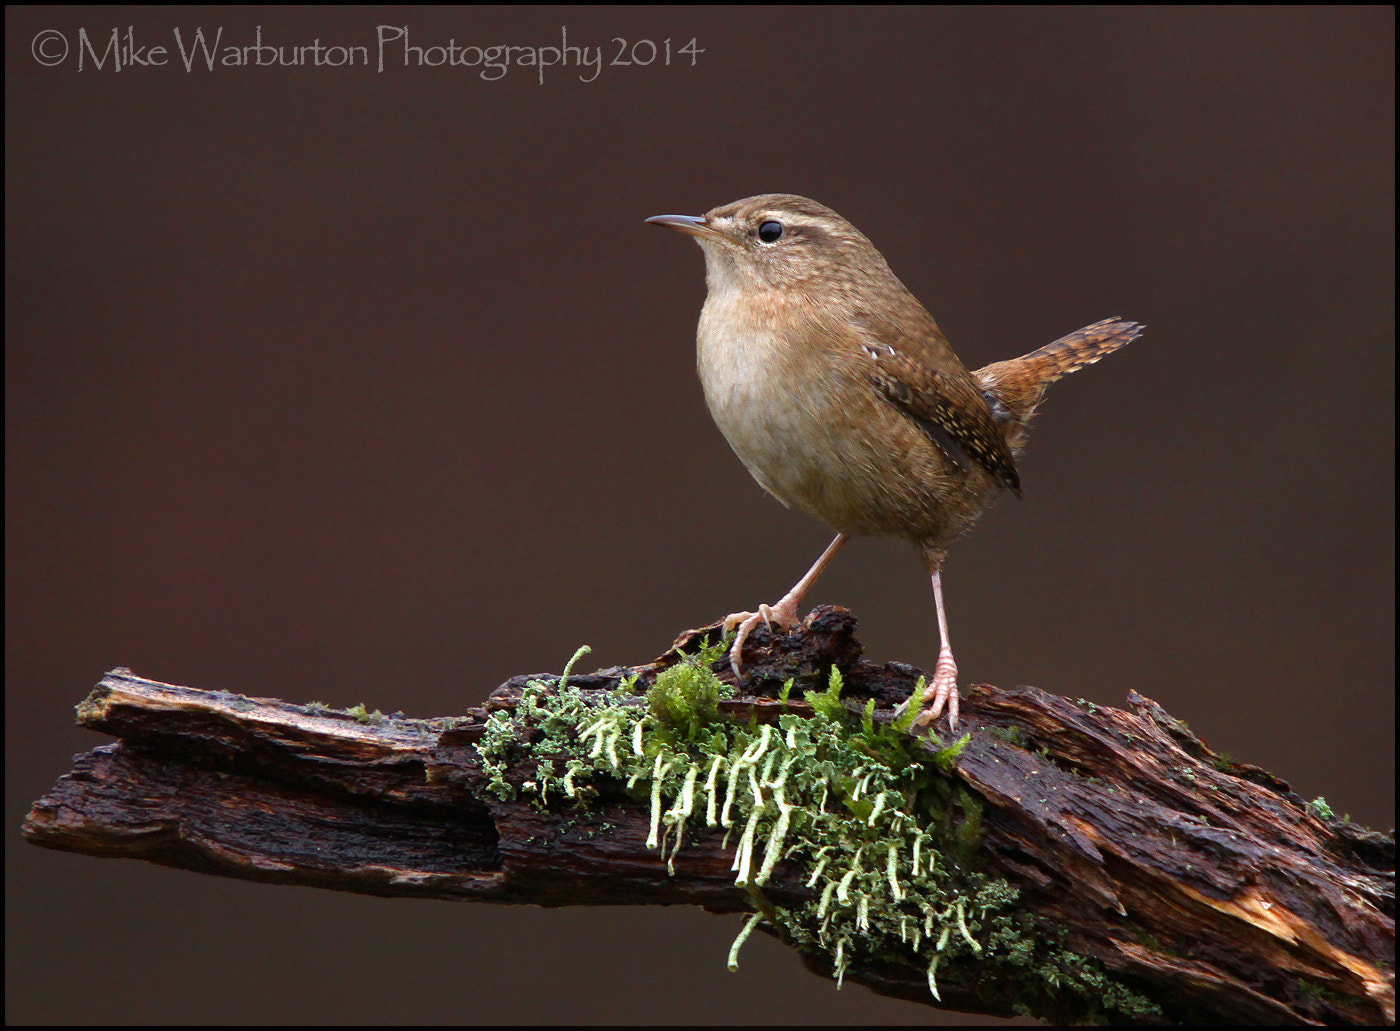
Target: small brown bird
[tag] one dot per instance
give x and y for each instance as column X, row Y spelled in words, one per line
column 840, row 395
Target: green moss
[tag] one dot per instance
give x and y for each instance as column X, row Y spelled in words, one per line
column 1012, row 735
column 884, row 835
column 685, row 700
column 1313, row 990
column 1319, row 808
column 946, row 759
column 363, row 715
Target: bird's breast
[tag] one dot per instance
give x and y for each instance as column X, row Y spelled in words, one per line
column 812, row 431
column 770, row 397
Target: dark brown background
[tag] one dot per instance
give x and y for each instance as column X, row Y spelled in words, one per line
column 328, row 384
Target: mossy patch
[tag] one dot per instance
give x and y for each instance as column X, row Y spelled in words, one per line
column 883, row 834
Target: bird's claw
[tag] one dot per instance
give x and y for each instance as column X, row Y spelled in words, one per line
column 745, row 622
column 940, row 693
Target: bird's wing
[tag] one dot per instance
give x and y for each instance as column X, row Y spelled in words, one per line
column 914, row 368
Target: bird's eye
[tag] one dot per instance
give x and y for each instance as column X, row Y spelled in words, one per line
column 770, row 231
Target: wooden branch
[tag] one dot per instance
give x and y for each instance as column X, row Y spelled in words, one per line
column 1203, row 885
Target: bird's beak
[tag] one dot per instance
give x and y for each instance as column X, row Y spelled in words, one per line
column 691, row 225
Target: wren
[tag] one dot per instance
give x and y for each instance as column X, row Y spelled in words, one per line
column 842, row 397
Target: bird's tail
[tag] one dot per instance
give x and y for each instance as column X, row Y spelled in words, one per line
column 1014, row 388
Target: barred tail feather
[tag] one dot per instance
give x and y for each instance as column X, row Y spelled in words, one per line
column 1014, row 388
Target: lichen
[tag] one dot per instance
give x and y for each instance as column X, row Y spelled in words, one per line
column 883, row 834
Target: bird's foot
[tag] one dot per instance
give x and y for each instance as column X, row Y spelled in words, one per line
column 940, row 693
column 784, row 614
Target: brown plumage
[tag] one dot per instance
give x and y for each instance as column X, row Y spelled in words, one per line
column 842, row 397
column 1018, row 385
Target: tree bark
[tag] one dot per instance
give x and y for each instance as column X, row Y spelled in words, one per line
column 1205, row 885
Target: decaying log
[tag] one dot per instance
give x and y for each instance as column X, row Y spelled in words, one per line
column 1205, row 885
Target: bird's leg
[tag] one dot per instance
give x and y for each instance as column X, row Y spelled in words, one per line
column 784, row 613
column 943, row 689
